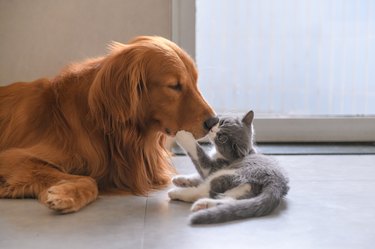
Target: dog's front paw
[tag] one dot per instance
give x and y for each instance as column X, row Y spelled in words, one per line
column 69, row 196
column 62, row 198
column 60, row 202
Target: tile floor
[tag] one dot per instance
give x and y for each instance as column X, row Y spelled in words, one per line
column 331, row 205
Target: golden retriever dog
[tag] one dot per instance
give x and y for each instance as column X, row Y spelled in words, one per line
column 99, row 125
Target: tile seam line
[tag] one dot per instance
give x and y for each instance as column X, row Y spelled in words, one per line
column 144, row 224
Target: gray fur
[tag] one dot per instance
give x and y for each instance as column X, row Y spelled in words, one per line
column 234, row 141
column 265, row 177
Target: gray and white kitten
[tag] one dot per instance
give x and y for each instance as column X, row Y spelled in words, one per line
column 236, row 182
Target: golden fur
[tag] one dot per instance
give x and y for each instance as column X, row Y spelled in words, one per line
column 99, row 125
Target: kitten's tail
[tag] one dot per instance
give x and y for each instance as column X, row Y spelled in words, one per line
column 261, row 205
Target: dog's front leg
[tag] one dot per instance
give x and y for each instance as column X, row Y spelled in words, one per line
column 24, row 175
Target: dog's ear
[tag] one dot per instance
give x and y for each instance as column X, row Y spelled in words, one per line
column 116, row 92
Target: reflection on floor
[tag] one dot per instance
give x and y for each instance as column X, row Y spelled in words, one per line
column 330, row 205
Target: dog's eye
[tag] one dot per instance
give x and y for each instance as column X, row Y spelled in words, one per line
column 176, row 87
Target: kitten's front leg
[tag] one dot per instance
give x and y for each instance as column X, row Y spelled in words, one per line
column 188, row 142
column 194, row 151
column 189, row 194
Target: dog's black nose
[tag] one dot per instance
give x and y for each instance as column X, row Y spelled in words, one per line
column 211, row 122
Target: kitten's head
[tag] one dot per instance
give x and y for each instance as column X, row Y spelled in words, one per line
column 233, row 137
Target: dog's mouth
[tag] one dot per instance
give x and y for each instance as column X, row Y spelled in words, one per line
column 168, row 132
column 164, row 128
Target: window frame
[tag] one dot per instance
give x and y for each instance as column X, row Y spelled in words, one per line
column 276, row 128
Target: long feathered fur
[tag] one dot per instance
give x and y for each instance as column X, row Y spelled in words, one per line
column 135, row 154
column 130, row 142
column 88, row 120
column 99, row 124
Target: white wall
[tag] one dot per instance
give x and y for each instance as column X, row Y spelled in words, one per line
column 39, row 37
column 183, row 24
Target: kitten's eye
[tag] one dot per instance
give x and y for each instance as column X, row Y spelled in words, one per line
column 177, row 87
column 222, row 138
column 221, row 121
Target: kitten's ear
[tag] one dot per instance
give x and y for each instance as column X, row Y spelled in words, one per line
column 248, row 118
column 238, row 151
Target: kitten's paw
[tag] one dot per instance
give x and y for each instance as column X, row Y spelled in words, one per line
column 186, row 181
column 181, row 181
column 203, row 204
column 188, row 142
column 174, row 194
column 185, row 194
column 183, row 136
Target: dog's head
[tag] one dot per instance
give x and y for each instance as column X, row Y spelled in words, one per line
column 151, row 82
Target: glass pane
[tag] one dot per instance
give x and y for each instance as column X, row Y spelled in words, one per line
column 290, row 57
